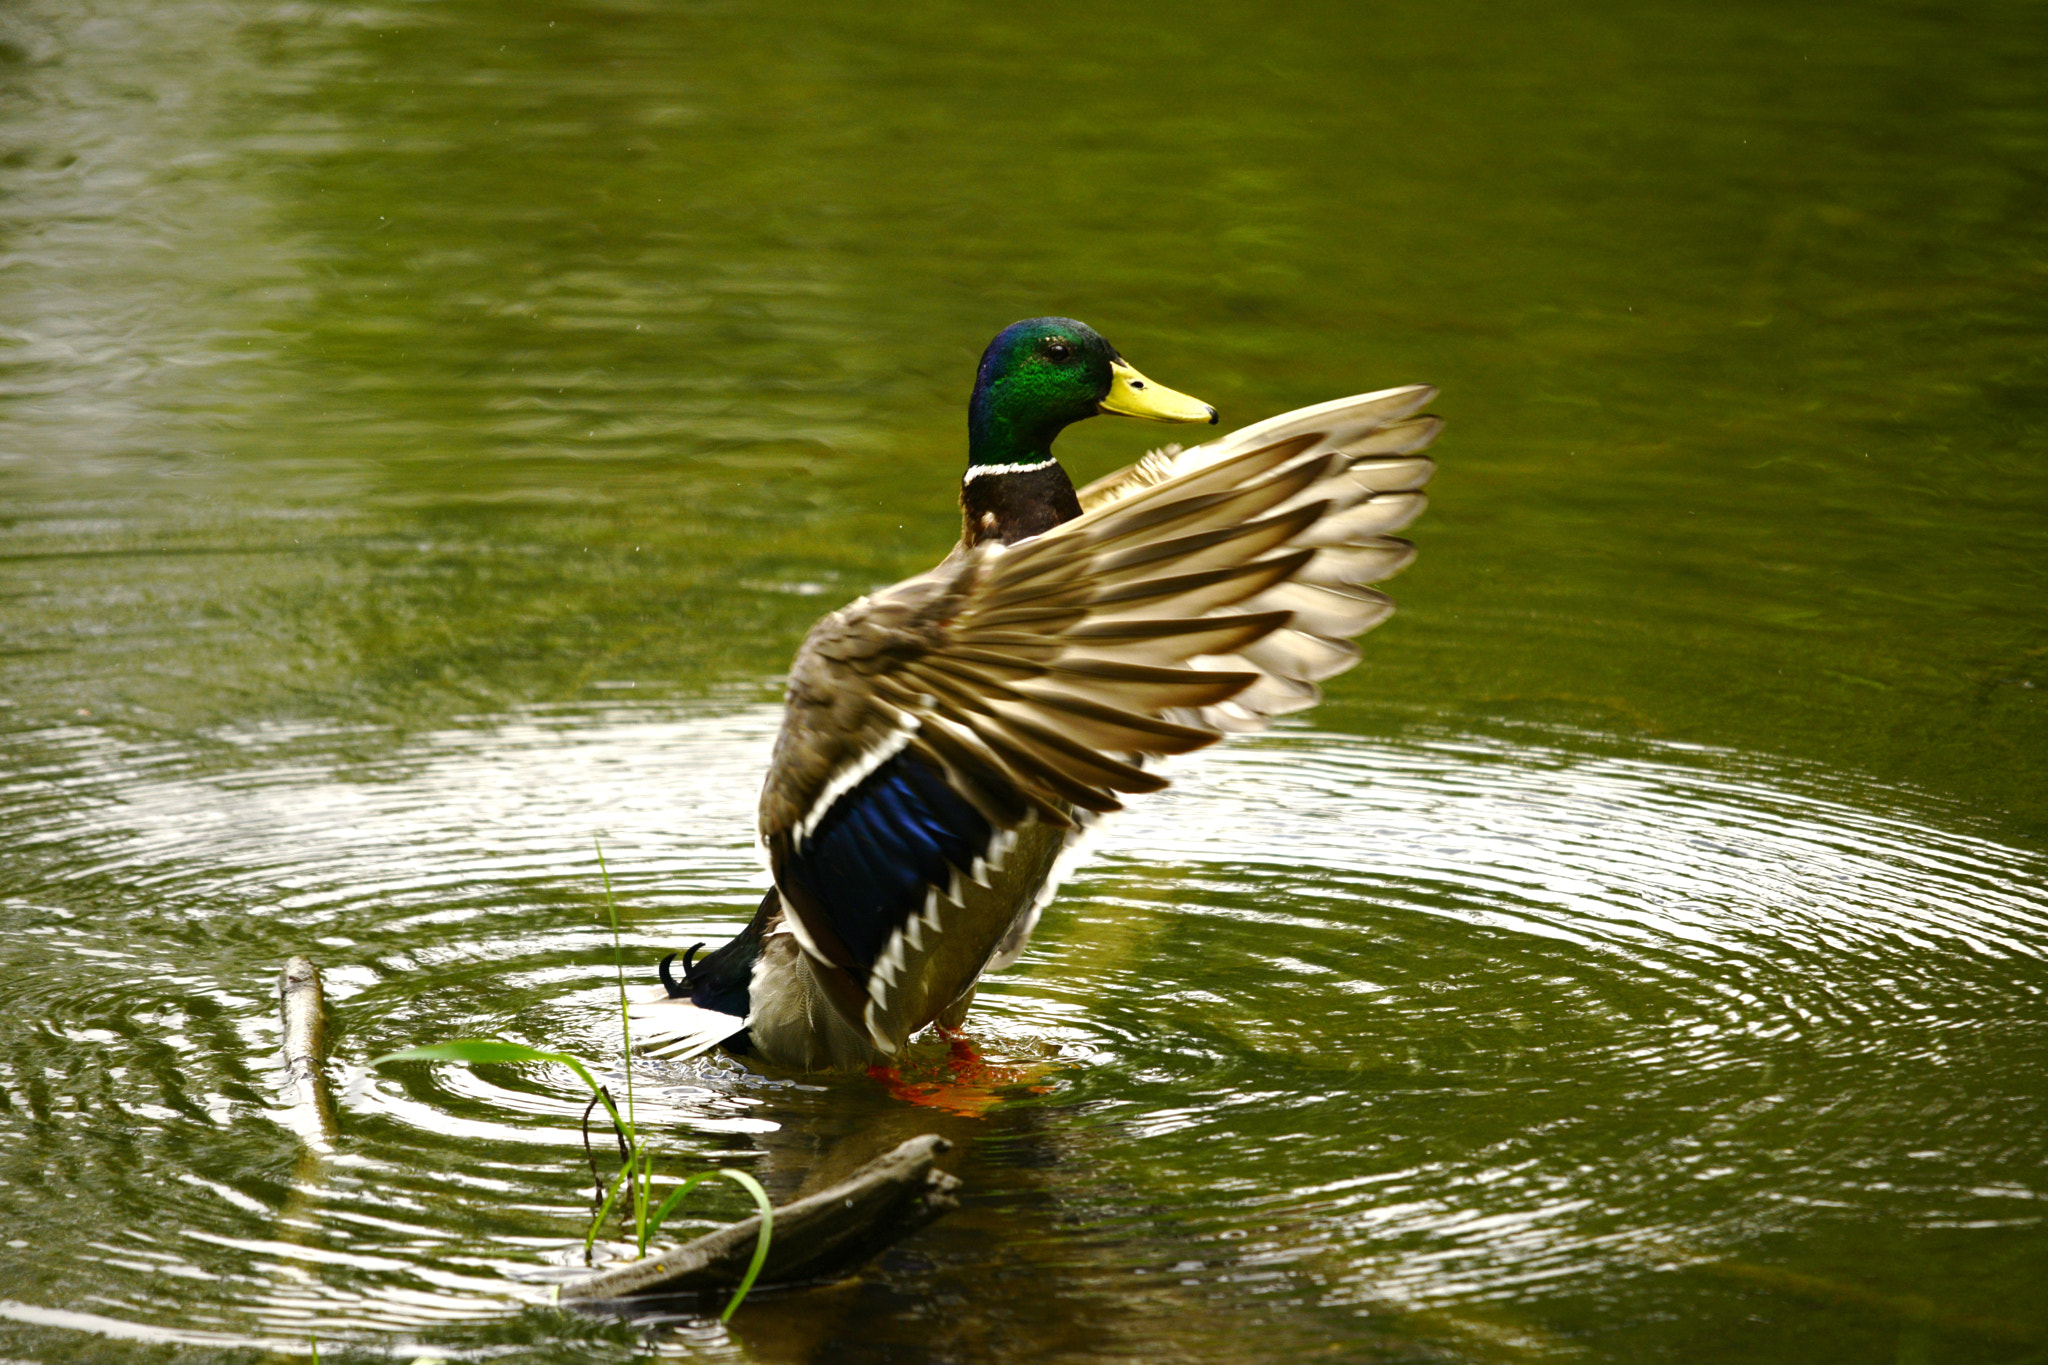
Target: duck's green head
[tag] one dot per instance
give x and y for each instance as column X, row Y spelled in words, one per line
column 1043, row 374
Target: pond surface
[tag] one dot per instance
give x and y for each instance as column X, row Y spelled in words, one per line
column 426, row 432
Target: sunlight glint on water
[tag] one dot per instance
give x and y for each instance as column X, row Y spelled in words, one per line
column 385, row 388
column 1509, row 1019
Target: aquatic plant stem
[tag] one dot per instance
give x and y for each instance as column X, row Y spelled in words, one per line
column 635, row 1179
column 761, row 1200
column 626, row 1032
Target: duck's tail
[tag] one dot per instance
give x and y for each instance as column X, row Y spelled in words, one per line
column 668, row 1026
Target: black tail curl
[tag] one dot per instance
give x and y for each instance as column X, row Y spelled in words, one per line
column 678, row 989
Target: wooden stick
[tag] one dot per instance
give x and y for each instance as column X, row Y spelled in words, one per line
column 305, row 1053
column 826, row 1235
column 823, row 1236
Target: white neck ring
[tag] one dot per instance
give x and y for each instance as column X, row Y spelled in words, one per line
column 977, row 471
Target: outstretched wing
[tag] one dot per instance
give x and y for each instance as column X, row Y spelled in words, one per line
column 943, row 735
column 1373, row 488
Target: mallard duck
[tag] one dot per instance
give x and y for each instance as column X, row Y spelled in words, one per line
column 946, row 739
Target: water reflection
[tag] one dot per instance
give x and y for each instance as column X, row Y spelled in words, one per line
column 379, row 385
column 1367, row 1036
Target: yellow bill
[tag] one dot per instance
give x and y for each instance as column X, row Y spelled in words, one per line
column 1133, row 395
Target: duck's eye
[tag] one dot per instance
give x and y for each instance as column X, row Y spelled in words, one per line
column 1058, row 350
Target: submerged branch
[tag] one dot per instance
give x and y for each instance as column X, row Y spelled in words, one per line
column 828, row 1234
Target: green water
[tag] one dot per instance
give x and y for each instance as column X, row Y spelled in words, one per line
column 426, row 432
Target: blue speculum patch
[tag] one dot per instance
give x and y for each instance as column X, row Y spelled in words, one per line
column 869, row 862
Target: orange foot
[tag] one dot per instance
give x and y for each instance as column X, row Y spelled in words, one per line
column 972, row 1090
column 968, row 1101
column 967, row 1064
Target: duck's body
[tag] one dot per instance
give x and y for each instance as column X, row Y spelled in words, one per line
column 947, row 738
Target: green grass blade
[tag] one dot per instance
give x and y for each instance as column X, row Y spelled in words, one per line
column 470, row 1050
column 643, row 1188
column 619, row 966
column 605, row 1209
column 753, row 1187
column 638, row 1170
column 675, row 1197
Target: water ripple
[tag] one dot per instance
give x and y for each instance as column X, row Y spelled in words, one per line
column 1364, row 1024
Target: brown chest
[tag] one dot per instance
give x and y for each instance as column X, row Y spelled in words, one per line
column 1009, row 502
